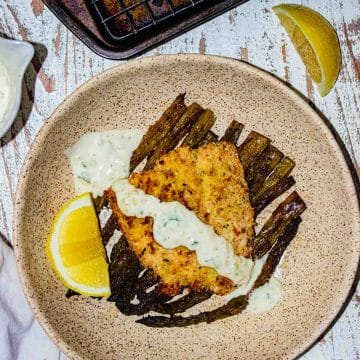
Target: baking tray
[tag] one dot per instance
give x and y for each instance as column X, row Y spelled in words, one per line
column 98, row 30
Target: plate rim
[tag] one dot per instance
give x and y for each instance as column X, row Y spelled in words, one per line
column 293, row 93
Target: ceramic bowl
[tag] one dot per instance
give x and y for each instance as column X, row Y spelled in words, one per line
column 318, row 272
column 15, row 55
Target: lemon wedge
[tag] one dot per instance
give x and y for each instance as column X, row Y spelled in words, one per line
column 316, row 42
column 75, row 249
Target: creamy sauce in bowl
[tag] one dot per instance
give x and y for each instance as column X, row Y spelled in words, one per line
column 101, row 160
column 15, row 56
column 5, row 92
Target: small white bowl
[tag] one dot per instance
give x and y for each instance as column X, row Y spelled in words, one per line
column 15, row 55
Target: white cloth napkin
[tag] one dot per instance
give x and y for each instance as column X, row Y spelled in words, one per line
column 21, row 337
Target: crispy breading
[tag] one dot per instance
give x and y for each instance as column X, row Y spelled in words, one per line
column 209, row 181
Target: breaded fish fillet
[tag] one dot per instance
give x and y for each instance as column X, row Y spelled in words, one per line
column 209, row 181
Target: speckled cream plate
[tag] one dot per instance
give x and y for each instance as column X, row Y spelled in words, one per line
column 319, row 268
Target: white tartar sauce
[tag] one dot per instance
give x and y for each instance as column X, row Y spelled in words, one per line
column 265, row 297
column 5, row 92
column 175, row 225
column 100, row 158
column 255, row 272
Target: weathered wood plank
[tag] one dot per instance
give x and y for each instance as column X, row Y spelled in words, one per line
column 250, row 32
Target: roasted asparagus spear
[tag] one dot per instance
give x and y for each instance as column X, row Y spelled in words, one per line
column 158, row 131
column 200, row 129
column 233, row 131
column 173, row 137
column 251, row 148
column 292, row 207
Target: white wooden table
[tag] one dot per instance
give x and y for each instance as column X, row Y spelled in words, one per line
column 251, row 33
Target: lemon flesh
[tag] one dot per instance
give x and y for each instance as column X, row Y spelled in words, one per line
column 316, row 42
column 75, row 249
